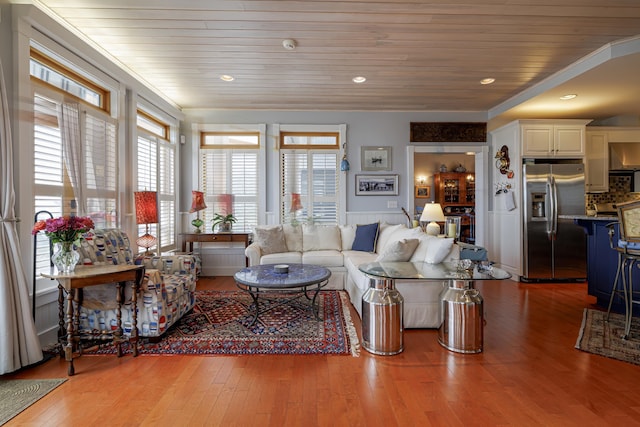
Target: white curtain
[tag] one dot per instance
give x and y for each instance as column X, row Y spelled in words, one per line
column 69, row 121
column 19, row 344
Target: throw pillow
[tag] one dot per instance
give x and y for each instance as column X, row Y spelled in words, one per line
column 348, row 233
column 438, row 250
column 386, row 234
column 270, row 239
column 398, row 251
column 366, row 238
column 321, row 238
column 293, row 237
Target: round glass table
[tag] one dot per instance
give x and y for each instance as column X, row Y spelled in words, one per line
column 461, row 328
column 300, row 279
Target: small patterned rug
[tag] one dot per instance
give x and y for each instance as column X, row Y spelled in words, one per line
column 18, row 395
column 220, row 324
column 605, row 338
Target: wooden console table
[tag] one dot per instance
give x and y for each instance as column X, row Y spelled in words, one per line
column 189, row 238
column 85, row 276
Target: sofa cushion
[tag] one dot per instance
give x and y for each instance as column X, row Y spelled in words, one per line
column 386, row 234
column 293, row 237
column 366, row 238
column 348, row 233
column 398, row 251
column 325, row 258
column 271, row 239
column 282, row 258
column 438, row 249
column 321, row 237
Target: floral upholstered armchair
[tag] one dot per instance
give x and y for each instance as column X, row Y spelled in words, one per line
column 167, row 293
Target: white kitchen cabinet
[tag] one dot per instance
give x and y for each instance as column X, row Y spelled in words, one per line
column 597, row 162
column 549, row 139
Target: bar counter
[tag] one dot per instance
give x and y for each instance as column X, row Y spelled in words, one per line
column 602, row 261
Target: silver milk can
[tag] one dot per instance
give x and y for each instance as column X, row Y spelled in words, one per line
column 382, row 324
column 462, row 324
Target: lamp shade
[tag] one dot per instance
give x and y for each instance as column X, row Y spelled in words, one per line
column 431, row 213
column 146, row 207
column 197, row 201
column 296, row 203
column 225, row 204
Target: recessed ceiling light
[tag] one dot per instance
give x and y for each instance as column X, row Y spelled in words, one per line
column 568, row 96
column 359, row 79
column 227, row 78
column 487, row 81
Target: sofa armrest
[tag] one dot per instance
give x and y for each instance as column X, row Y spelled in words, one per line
column 253, row 253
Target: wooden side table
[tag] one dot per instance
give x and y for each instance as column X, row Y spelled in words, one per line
column 85, row 276
column 189, row 238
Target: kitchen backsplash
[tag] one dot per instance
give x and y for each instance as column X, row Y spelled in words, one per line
column 619, row 191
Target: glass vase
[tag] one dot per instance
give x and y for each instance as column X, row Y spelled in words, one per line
column 65, row 257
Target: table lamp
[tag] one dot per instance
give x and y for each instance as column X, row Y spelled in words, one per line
column 296, row 205
column 146, row 203
column 431, row 213
column 197, row 204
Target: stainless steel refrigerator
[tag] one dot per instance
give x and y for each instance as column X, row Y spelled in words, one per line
column 554, row 248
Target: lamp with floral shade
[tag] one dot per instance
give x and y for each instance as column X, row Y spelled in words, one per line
column 197, row 204
column 146, row 203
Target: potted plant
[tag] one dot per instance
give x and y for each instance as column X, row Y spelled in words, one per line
column 224, row 222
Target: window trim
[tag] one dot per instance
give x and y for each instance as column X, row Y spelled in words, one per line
column 261, row 130
column 275, row 165
column 203, row 136
column 284, row 145
column 105, row 94
column 165, row 126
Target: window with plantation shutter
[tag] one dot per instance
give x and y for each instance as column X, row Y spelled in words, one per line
column 309, row 177
column 156, row 166
column 53, row 189
column 230, row 176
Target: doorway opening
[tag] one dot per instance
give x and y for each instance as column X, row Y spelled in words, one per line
column 468, row 163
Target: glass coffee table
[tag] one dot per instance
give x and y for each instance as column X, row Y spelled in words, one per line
column 461, row 329
column 298, row 279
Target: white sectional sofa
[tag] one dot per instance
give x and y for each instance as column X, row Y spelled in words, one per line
column 332, row 247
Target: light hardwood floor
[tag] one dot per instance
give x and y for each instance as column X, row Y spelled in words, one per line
column 529, row 374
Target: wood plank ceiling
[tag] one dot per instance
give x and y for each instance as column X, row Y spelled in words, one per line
column 416, row 55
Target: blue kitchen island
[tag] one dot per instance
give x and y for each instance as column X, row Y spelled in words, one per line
column 602, row 261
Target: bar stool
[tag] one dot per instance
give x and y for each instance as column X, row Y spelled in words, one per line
column 628, row 248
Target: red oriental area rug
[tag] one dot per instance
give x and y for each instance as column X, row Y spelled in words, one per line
column 220, row 324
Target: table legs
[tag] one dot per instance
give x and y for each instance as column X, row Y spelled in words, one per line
column 69, row 320
column 68, row 348
column 304, row 291
column 133, row 338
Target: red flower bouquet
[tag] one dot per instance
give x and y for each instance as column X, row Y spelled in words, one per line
column 66, row 229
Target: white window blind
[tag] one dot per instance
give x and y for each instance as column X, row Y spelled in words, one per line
column 314, row 176
column 156, row 160
column 101, row 167
column 230, row 172
column 53, row 191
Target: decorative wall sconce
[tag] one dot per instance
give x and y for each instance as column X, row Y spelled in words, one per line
column 421, row 180
column 344, row 164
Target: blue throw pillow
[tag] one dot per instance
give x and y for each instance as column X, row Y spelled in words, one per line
column 366, row 238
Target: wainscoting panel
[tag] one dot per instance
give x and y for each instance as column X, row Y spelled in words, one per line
column 370, row 217
column 221, row 259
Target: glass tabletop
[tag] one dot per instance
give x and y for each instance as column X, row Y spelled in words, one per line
column 457, row 269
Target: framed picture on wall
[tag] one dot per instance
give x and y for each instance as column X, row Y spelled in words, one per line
column 422, row 192
column 376, row 185
column 375, row 158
